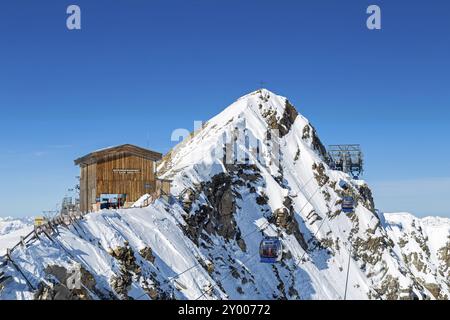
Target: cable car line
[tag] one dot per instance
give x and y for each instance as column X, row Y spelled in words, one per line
column 226, row 276
column 229, row 272
column 263, row 226
column 348, row 271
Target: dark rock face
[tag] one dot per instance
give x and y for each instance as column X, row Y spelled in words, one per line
column 370, row 251
column 444, row 256
column 188, row 197
column 319, row 174
column 122, row 282
column 287, row 120
column 434, row 289
column 390, row 288
column 285, row 218
column 283, row 124
column 366, row 195
column 147, row 254
column 310, row 132
column 60, row 289
column 126, row 257
column 216, row 203
column 216, row 215
column 318, row 145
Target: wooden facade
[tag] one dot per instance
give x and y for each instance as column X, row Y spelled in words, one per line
column 124, row 169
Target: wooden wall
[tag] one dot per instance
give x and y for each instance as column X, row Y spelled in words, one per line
column 88, row 182
column 112, row 179
column 109, row 176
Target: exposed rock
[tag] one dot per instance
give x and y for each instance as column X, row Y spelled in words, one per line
column 328, row 243
column 262, row 199
column 188, row 197
column 126, row 257
column 318, row 145
column 370, row 250
column 390, row 288
column 285, row 218
column 147, row 254
column 306, row 132
column 444, row 255
column 121, row 284
column 297, row 155
column 321, row 177
column 62, row 284
column 434, row 289
column 293, row 293
column 417, row 260
column 366, row 196
column 288, row 119
column 402, row 242
column 210, row 267
column 216, row 216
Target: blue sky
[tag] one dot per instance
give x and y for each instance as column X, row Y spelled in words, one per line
column 139, row 69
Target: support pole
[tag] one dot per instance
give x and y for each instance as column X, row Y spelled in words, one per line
column 348, row 271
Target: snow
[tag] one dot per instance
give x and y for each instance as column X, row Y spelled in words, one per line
column 10, row 224
column 179, row 266
column 141, row 201
column 11, row 239
column 434, row 232
column 11, row 229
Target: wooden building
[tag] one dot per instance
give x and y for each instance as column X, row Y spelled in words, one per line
column 125, row 170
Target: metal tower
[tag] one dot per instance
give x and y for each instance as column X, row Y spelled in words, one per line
column 347, row 158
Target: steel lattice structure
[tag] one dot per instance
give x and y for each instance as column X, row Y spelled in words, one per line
column 348, row 158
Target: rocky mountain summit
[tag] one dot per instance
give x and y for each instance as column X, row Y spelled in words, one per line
column 256, row 169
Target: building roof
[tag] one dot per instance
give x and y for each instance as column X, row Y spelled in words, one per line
column 126, row 149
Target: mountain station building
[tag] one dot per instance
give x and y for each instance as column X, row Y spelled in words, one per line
column 118, row 175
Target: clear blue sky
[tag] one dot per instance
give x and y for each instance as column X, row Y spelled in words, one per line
column 139, row 69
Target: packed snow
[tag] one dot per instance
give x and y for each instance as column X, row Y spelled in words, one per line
column 11, row 229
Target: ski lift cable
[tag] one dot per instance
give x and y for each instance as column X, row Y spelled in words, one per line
column 251, row 257
column 349, row 251
column 261, row 228
column 226, row 276
column 348, row 272
column 318, row 229
column 308, row 202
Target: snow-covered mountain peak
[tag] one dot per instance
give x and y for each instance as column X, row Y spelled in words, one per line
column 259, row 103
column 256, row 169
column 251, row 129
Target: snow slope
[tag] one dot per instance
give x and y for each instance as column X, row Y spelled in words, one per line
column 9, row 224
column 258, row 168
column 11, row 230
column 424, row 245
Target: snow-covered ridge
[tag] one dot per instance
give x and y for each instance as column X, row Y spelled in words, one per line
column 436, row 229
column 424, row 245
column 203, row 243
column 10, row 224
column 11, row 229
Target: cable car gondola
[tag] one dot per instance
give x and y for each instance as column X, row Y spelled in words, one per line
column 348, row 204
column 343, row 185
column 270, row 250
